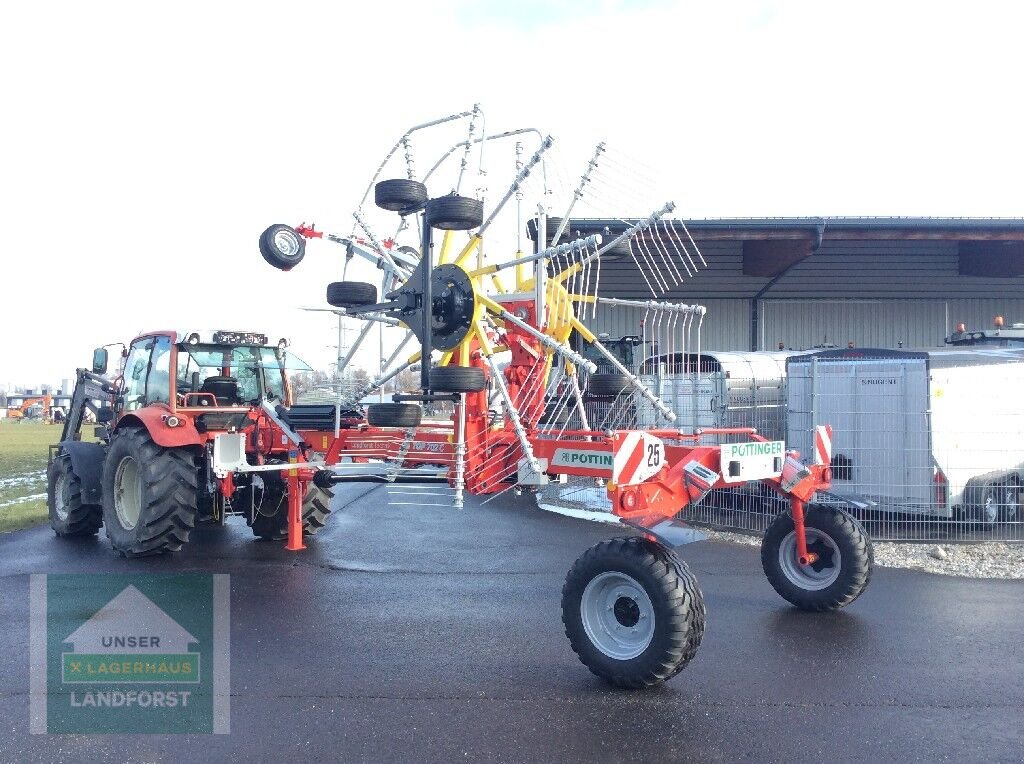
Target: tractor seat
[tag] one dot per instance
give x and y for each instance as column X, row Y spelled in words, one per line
column 224, row 389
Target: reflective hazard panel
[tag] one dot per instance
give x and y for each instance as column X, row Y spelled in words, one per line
column 640, row 456
column 755, row 460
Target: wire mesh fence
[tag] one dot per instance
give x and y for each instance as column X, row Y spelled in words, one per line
column 925, row 445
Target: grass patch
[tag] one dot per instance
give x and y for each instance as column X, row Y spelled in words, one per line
column 23, row 451
column 18, row 516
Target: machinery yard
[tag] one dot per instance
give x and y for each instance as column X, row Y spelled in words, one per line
column 436, row 633
column 369, row 399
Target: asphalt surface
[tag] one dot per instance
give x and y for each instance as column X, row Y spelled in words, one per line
column 423, row 633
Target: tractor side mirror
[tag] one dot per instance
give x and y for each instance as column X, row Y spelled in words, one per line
column 99, row 361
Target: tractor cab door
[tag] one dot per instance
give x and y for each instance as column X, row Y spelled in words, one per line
column 146, row 374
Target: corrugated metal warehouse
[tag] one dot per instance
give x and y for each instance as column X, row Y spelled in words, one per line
column 879, row 282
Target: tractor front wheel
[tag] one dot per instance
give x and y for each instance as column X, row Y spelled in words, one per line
column 149, row 495
column 633, row 612
column 69, row 515
column 841, row 570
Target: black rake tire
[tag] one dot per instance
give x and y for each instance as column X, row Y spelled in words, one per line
column 351, row 294
column 457, row 379
column 69, row 516
column 607, row 385
column 673, row 613
column 282, row 246
column 400, row 195
column 555, row 415
column 393, row 414
column 159, row 486
column 842, row 571
column 455, row 213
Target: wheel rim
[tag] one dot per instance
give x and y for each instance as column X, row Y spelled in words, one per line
column 127, row 493
column 820, row 574
column 60, row 499
column 287, row 243
column 617, row 615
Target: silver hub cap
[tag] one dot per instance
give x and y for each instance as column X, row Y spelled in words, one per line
column 287, row 243
column 60, row 497
column 617, row 615
column 820, row 574
column 127, row 493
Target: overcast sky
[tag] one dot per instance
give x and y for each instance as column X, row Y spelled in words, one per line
column 146, row 145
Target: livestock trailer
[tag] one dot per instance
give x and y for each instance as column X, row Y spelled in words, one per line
column 936, row 432
column 719, row 389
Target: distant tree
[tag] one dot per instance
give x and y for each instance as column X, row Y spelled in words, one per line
column 408, row 381
column 360, row 378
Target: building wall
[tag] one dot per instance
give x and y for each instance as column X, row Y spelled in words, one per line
column 871, row 293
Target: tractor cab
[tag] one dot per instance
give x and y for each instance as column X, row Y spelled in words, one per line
column 206, row 370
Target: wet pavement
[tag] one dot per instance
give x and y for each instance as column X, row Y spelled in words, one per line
column 424, row 633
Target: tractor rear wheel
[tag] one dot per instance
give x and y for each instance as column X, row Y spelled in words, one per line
column 455, row 213
column 149, row 495
column 351, row 294
column 270, row 520
column 282, row 246
column 838, row 576
column 633, row 612
column 457, row 379
column 400, row 195
column 69, row 516
column 393, row 415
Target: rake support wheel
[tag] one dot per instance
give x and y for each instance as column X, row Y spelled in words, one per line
column 351, row 294
column 282, row 246
column 400, row 195
column 393, row 414
column 457, row 379
column 455, row 213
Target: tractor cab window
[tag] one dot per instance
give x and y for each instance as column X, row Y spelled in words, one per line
column 158, row 385
column 136, row 367
column 252, row 373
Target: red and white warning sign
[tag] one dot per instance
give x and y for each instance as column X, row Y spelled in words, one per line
column 823, row 444
column 639, row 456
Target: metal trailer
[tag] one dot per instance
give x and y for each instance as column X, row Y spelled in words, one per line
column 716, row 389
column 937, row 432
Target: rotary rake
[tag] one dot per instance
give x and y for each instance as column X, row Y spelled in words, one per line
column 539, row 403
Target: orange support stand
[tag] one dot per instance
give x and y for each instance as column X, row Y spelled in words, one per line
column 295, row 492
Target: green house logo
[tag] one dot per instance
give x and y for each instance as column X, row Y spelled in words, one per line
column 130, row 653
column 130, row 640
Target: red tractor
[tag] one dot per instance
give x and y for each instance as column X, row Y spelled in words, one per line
column 149, row 479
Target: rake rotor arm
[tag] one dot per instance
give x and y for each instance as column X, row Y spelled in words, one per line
column 643, row 225
column 579, row 245
column 522, row 175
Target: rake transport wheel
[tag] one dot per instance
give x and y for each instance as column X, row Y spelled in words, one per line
column 455, row 213
column 457, row 379
column 393, row 415
column 351, row 294
column 401, row 195
column 270, row 520
column 839, row 575
column 69, row 516
column 149, row 495
column 633, row 612
column 282, row 246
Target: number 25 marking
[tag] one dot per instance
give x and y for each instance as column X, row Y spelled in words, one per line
column 653, row 454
